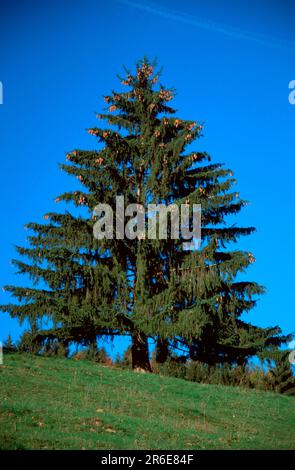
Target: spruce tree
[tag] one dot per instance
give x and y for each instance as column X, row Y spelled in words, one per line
column 146, row 288
column 280, row 375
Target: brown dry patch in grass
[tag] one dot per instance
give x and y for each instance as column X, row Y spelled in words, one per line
column 204, row 426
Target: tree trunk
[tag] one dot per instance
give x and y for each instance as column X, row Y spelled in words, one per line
column 162, row 351
column 140, row 353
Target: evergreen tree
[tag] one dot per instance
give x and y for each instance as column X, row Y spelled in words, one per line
column 146, row 288
column 280, row 373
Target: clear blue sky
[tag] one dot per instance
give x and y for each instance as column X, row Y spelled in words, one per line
column 231, row 62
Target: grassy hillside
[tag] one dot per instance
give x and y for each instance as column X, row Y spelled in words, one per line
column 62, row 404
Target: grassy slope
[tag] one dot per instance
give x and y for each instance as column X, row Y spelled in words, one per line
column 62, row 404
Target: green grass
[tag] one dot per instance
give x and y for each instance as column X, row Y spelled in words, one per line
column 48, row 403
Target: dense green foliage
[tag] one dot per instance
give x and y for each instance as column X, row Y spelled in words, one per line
column 146, row 288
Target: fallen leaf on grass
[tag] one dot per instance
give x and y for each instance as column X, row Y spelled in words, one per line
column 110, row 430
column 97, row 422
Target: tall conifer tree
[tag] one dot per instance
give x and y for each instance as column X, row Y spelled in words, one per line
column 146, row 288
